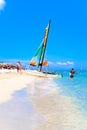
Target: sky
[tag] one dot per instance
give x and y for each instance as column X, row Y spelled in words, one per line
column 22, row 28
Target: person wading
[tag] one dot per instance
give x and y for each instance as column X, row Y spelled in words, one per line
column 72, row 72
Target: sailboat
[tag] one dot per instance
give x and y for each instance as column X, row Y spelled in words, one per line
column 38, row 59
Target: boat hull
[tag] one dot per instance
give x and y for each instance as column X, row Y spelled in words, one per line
column 41, row 74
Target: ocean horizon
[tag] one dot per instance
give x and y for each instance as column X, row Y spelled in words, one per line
column 52, row 66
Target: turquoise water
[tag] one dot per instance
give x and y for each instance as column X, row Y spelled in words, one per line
column 75, row 88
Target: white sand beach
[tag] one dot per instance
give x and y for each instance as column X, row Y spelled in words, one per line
column 16, row 109
column 12, row 81
column 48, row 109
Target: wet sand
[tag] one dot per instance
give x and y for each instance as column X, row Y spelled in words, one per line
column 59, row 112
column 30, row 103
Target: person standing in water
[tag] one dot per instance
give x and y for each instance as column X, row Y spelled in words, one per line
column 72, row 72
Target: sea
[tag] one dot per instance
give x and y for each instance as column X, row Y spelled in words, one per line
column 75, row 88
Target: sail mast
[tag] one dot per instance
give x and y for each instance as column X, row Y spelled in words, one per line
column 43, row 47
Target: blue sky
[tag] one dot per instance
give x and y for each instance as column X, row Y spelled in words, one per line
column 23, row 23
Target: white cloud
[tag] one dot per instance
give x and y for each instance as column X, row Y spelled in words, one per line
column 51, row 63
column 70, row 62
column 2, row 4
column 61, row 63
column 66, row 63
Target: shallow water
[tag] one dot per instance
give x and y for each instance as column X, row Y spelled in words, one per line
column 76, row 88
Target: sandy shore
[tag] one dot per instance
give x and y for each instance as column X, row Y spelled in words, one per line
column 16, row 109
column 11, row 82
column 57, row 111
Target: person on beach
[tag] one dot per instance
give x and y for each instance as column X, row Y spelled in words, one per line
column 72, row 72
column 19, row 66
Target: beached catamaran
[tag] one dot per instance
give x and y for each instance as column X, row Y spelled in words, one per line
column 38, row 59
